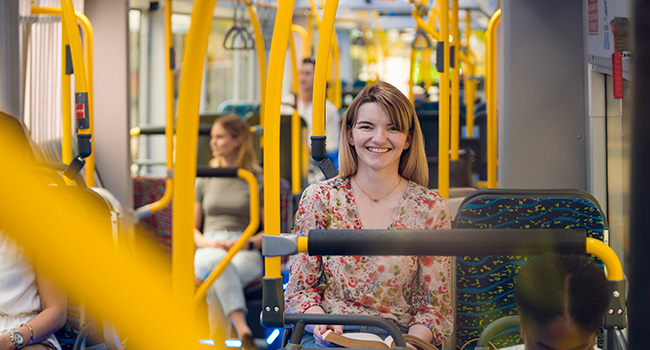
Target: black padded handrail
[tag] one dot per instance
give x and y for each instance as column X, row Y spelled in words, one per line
column 452, row 242
column 216, row 172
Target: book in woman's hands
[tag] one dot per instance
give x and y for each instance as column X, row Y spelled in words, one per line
column 373, row 341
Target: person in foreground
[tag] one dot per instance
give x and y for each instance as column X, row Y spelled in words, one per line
column 562, row 300
column 32, row 308
column 222, row 209
column 381, row 185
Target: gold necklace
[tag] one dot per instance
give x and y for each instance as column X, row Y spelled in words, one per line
column 376, row 200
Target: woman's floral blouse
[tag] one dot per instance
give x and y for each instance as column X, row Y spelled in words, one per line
column 406, row 289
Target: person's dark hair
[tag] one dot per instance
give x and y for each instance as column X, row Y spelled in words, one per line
column 552, row 285
column 311, row 60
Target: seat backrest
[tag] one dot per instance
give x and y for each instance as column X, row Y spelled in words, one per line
column 485, row 285
column 158, row 226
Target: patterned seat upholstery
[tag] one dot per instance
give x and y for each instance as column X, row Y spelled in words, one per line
column 485, row 284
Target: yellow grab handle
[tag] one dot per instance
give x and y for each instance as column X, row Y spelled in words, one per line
column 281, row 31
column 187, row 137
column 607, row 256
column 261, row 56
column 251, row 229
column 306, row 44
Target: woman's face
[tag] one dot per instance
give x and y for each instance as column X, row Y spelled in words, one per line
column 559, row 334
column 222, row 143
column 378, row 144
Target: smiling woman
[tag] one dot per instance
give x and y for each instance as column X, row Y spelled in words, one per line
column 383, row 170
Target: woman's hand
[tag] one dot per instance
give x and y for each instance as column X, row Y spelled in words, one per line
column 318, row 331
column 421, row 331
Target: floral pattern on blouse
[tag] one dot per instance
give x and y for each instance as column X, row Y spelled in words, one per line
column 407, row 289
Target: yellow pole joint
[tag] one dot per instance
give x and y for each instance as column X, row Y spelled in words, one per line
column 607, row 255
column 306, row 44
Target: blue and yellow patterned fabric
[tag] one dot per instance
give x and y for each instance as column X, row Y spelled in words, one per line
column 241, row 108
column 485, row 284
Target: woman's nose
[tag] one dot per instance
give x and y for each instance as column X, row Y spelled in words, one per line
column 379, row 135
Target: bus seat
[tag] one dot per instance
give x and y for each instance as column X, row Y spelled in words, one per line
column 485, row 285
column 158, row 227
column 242, row 108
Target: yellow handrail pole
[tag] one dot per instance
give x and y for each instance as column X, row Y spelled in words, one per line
column 470, row 83
column 411, row 74
column 607, row 256
column 425, row 65
column 169, row 113
column 455, row 84
column 424, row 25
column 425, row 69
column 443, row 105
column 310, row 30
column 296, row 178
column 187, row 137
column 87, row 31
column 380, row 33
column 491, row 41
column 306, row 43
column 66, row 108
column 82, row 95
column 334, row 93
column 124, row 289
column 251, row 229
column 88, row 40
column 336, row 89
column 281, row 31
column 169, row 120
column 261, row 59
column 322, row 54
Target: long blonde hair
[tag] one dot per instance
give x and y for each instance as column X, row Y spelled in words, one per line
column 413, row 161
column 236, row 127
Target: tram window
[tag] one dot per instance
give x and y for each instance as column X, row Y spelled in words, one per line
column 228, row 75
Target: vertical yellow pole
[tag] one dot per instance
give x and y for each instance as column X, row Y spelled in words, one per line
column 310, row 30
column 425, row 68
column 491, row 87
column 455, row 83
column 411, row 74
column 88, row 34
column 443, row 114
column 66, row 145
column 322, row 54
column 87, row 31
column 296, row 180
column 380, row 33
column 261, row 56
column 277, row 58
column 470, row 83
column 332, row 66
column 336, row 88
column 185, row 172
